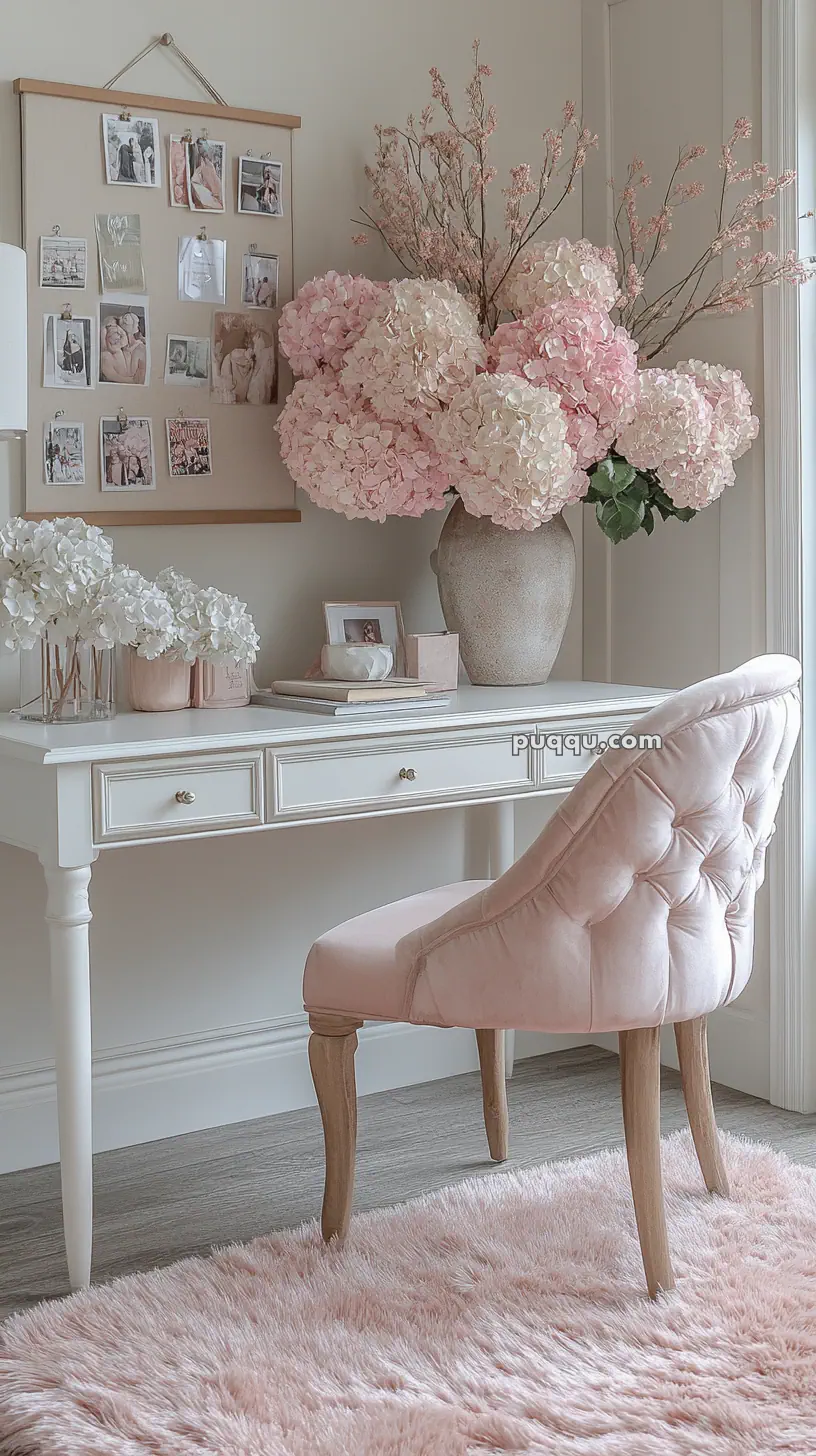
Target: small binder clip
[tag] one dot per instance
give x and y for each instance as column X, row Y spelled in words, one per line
column 266, row 156
column 55, row 231
column 180, row 415
column 124, row 115
column 202, row 234
column 67, row 312
column 187, row 136
column 121, row 415
column 253, row 248
column 59, row 414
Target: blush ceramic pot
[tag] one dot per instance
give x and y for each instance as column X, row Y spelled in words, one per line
column 161, row 686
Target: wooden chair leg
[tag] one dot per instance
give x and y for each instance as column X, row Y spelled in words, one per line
column 692, row 1052
column 332, row 1046
column 640, row 1090
column 494, row 1092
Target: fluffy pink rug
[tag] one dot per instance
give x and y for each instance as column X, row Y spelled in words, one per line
column 504, row 1315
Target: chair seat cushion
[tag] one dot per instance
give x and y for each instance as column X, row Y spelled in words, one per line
column 353, row 967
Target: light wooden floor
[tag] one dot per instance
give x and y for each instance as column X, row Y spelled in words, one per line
column 157, row 1202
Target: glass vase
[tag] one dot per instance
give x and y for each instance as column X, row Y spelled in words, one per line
column 67, row 681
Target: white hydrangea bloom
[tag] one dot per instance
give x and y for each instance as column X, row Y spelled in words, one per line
column 419, row 354
column 672, row 420
column 561, row 269
column 131, row 611
column 50, row 571
column 507, row 445
column 734, row 427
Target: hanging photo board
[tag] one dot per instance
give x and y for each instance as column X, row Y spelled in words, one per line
column 186, row 255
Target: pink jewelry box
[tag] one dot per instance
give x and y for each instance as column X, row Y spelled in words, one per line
column 433, row 657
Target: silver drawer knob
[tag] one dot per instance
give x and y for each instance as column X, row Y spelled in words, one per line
column 408, row 773
column 185, row 796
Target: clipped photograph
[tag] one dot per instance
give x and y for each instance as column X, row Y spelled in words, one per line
column 63, row 262
column 131, row 146
column 187, row 360
column 259, row 280
column 68, row 352
column 119, row 244
column 124, row 342
column 202, row 270
column 63, row 453
column 244, row 359
column 260, row 186
column 189, row 451
column 177, row 171
column 127, row 459
column 206, row 170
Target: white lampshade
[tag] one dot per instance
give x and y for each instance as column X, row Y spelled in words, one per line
column 14, row 353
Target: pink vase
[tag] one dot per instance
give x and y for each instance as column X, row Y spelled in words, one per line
column 161, row 686
column 220, row 684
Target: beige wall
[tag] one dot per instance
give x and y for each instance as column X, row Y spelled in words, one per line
column 201, row 937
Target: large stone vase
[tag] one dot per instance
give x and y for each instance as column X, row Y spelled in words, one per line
column 507, row 593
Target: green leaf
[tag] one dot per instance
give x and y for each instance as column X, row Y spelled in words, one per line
column 684, row 513
column 620, row 517
column 648, row 520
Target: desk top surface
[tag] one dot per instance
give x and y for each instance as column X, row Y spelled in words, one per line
column 133, row 735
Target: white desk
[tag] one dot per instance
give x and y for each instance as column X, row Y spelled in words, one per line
column 67, row 793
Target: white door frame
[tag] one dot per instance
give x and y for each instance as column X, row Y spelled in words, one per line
column 790, row 441
column 789, row 434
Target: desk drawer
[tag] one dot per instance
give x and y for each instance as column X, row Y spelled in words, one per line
column 149, row 799
column 320, row 781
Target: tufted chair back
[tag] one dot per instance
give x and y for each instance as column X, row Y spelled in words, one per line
column 635, row 906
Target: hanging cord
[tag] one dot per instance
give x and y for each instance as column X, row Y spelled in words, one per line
column 167, row 40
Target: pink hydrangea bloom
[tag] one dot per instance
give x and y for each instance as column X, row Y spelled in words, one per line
column 678, row 432
column 507, row 445
column 326, row 317
column 672, row 420
column 417, row 355
column 734, row 427
column 574, row 348
column 561, row 269
column 349, row 460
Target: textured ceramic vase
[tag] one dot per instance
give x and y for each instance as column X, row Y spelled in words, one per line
column 161, row 686
column 507, row 593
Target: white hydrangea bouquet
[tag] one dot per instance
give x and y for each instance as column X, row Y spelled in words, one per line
column 62, row 592
column 413, row 390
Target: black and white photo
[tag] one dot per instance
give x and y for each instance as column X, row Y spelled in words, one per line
column 124, row 340
column 63, row 453
column 259, row 280
column 63, row 262
column 244, row 359
column 189, row 451
column 68, row 353
column 127, row 458
column 187, row 360
column 131, row 147
column 260, row 186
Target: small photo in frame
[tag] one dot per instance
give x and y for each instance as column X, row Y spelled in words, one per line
column 131, row 146
column 189, row 451
column 69, row 360
column 367, row 624
column 259, row 280
column 63, row 262
column 206, row 163
column 187, row 360
column 260, row 186
column 63, row 453
column 126, row 448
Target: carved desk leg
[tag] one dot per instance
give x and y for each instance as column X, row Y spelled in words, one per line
column 68, row 916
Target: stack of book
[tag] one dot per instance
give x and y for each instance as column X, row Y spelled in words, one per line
column 325, row 695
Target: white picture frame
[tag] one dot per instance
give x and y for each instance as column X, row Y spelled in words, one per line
column 348, row 622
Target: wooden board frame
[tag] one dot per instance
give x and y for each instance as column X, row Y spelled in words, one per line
column 138, row 101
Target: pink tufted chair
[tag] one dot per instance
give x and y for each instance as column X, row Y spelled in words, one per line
column 634, row 907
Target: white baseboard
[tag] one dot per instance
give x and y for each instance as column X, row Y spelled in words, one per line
column 206, row 1079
